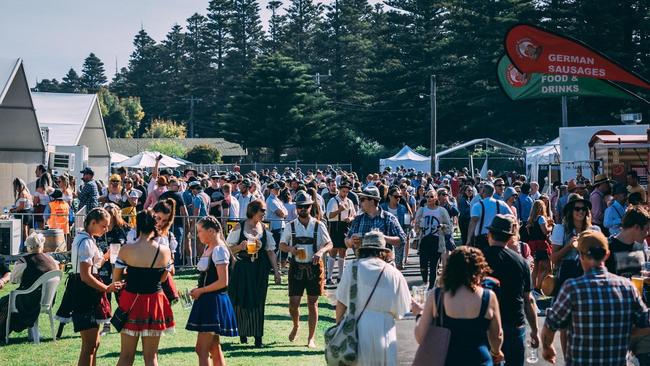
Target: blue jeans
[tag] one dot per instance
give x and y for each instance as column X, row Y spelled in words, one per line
column 514, row 345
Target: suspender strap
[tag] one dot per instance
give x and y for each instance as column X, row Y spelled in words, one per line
column 497, row 203
column 315, row 242
column 293, row 233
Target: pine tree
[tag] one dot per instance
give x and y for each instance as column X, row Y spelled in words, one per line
column 247, row 35
column 120, row 83
column 71, row 82
column 304, row 24
column 277, row 22
column 173, row 59
column 47, row 85
column 278, row 107
column 92, row 74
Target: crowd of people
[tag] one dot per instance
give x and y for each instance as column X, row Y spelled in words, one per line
column 488, row 247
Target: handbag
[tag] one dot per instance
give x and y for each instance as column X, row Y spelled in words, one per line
column 433, row 349
column 120, row 317
column 342, row 340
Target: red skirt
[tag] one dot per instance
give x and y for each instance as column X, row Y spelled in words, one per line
column 539, row 246
column 150, row 316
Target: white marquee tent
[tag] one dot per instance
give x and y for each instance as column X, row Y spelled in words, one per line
column 21, row 144
column 147, row 159
column 540, row 156
column 408, row 159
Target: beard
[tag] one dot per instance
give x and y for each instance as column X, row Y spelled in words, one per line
column 303, row 214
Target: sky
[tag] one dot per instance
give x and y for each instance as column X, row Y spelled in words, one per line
column 53, row 35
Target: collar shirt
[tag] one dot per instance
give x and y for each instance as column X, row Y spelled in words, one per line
column 598, row 206
column 613, row 217
column 386, row 222
column 322, row 238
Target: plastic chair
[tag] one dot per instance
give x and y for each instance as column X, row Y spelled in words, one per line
column 49, row 282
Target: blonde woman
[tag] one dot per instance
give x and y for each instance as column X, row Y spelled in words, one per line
column 432, row 223
column 23, row 204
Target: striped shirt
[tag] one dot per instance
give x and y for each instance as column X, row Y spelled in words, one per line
column 599, row 310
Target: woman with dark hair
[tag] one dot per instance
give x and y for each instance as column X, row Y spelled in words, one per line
column 164, row 212
column 212, row 313
column 149, row 314
column 475, row 340
column 464, row 208
column 250, row 272
column 539, row 226
column 315, row 210
column 23, row 205
column 384, row 290
column 432, row 223
column 42, row 199
column 85, row 293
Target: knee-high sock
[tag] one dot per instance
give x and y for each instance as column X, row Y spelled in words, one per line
column 330, row 266
column 341, row 263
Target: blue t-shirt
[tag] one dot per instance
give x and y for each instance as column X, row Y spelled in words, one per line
column 488, row 211
column 197, row 202
column 524, row 204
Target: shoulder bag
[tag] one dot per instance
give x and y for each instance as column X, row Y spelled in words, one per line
column 433, row 349
column 342, row 340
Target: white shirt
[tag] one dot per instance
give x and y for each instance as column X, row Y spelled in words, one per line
column 273, row 204
column 220, row 255
column 323, row 237
column 85, row 250
column 233, row 210
column 243, row 204
column 333, row 206
column 491, row 208
column 233, row 238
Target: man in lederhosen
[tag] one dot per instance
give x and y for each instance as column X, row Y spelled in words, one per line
column 307, row 240
column 340, row 212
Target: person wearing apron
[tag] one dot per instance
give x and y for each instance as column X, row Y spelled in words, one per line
column 307, row 240
column 340, row 212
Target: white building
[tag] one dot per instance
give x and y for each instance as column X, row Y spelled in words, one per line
column 21, row 145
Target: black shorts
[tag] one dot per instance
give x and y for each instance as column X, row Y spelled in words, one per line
column 541, row 255
column 306, row 280
column 338, row 231
column 84, row 321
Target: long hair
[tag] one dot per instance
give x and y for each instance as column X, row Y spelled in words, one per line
column 116, row 214
column 567, row 219
column 19, row 187
column 167, row 207
column 145, row 224
column 538, row 209
column 211, row 222
column 95, row 215
column 315, row 208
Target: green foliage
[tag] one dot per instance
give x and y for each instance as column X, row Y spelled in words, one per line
column 165, row 129
column 294, row 112
column 71, row 82
column 170, row 148
column 92, row 74
column 47, row 85
column 121, row 115
column 204, row 154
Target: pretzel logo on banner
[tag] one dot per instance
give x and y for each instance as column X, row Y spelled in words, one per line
column 535, row 50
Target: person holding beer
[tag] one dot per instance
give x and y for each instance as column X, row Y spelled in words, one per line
column 307, row 239
column 340, row 212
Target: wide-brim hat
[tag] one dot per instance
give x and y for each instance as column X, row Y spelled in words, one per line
column 345, row 184
column 190, row 170
column 573, row 199
column 619, row 189
column 303, row 199
column 374, row 240
column 600, row 179
column 370, row 192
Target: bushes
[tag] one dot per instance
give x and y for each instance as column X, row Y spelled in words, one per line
column 204, row 154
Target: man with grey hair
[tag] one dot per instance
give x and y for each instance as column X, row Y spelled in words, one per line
column 534, row 191
column 482, row 213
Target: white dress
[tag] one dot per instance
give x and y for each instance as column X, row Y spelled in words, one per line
column 391, row 300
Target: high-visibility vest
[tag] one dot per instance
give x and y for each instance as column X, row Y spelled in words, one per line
column 59, row 216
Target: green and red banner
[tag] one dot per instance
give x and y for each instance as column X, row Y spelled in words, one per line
column 517, row 85
column 536, row 50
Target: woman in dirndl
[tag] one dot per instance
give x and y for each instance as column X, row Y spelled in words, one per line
column 85, row 293
column 250, row 273
column 149, row 314
column 212, row 313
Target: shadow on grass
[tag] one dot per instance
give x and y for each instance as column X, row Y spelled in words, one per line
column 303, row 317
column 271, row 352
column 322, row 305
column 161, row 351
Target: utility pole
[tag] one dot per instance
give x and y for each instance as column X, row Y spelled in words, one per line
column 317, row 78
column 565, row 113
column 434, row 122
column 192, row 100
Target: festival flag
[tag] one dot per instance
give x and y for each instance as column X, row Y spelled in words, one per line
column 535, row 50
column 517, row 85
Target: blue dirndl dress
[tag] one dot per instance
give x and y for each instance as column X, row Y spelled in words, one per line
column 212, row 311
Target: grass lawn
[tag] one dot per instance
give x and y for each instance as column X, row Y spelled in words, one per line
column 178, row 349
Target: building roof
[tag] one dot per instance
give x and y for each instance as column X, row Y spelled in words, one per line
column 72, row 119
column 609, row 139
column 132, row 147
column 17, row 117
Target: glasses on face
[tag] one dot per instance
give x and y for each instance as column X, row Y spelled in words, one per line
column 499, row 185
column 397, row 196
column 262, row 210
column 301, row 208
column 431, row 197
column 115, row 183
column 580, row 208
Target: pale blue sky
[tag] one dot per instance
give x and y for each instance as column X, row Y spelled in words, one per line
column 53, row 35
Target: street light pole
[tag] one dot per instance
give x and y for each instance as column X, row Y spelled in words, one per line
column 434, row 122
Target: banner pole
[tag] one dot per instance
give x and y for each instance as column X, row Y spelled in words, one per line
column 565, row 116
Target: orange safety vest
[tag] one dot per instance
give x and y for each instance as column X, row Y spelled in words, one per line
column 59, row 216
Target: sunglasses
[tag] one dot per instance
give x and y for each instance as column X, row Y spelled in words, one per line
column 580, row 208
column 262, row 210
column 397, row 196
column 303, row 207
column 431, row 196
column 499, row 185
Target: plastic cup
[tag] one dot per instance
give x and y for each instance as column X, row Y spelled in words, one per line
column 114, row 250
column 301, row 254
column 407, row 219
column 533, row 356
column 186, row 299
column 637, row 281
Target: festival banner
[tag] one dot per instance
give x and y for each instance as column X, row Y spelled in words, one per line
column 535, row 50
column 517, row 85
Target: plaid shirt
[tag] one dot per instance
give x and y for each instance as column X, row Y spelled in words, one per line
column 89, row 195
column 599, row 310
column 385, row 221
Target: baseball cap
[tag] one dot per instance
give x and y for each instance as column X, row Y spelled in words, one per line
column 593, row 244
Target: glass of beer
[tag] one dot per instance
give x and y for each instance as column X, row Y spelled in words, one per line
column 114, row 250
column 301, row 253
column 637, row 281
column 251, row 246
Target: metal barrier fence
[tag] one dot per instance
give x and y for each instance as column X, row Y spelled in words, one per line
column 245, row 168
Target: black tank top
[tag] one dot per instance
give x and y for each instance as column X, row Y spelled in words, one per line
column 142, row 280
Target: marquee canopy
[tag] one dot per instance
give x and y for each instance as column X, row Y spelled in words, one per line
column 408, row 159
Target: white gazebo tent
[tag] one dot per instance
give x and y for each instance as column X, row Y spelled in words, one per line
column 75, row 120
column 21, row 144
column 407, row 158
column 502, row 151
column 117, row 157
column 147, row 159
column 542, row 157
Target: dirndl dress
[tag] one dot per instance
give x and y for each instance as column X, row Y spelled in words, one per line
column 213, row 312
column 149, row 314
